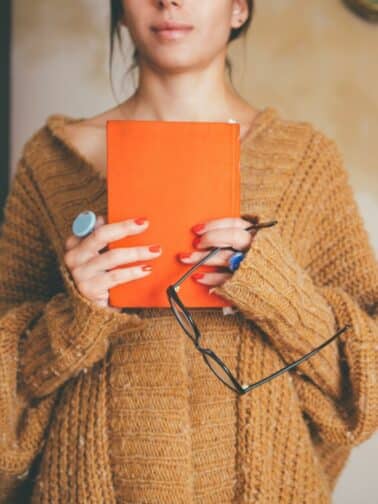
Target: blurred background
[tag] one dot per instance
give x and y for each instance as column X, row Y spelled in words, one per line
column 313, row 61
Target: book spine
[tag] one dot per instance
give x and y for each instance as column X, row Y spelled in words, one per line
column 232, row 165
column 235, row 170
column 238, row 172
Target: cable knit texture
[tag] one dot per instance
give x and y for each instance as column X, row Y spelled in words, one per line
column 104, row 407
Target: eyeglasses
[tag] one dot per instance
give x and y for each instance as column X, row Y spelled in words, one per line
column 217, row 366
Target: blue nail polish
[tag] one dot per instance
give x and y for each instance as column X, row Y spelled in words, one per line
column 235, row 260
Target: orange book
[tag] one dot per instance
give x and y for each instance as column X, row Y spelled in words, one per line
column 176, row 174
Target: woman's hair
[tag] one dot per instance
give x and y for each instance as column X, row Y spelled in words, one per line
column 116, row 13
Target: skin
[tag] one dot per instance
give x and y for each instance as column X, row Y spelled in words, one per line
column 183, row 79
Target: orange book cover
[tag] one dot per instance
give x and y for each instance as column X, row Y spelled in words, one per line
column 176, row 174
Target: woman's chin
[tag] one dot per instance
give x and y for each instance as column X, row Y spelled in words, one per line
column 173, row 62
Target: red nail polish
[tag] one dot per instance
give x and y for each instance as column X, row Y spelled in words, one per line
column 140, row 220
column 198, row 228
column 196, row 276
column 196, row 241
column 154, row 248
column 184, row 255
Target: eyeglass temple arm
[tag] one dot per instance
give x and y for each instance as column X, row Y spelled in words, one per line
column 297, row 362
column 259, row 225
column 216, row 249
column 253, row 226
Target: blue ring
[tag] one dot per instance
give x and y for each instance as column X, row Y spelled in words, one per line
column 235, row 260
column 84, row 223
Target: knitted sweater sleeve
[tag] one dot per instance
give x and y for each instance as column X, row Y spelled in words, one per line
column 46, row 336
column 299, row 304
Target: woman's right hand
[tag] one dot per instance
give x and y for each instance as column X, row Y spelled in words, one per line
column 89, row 265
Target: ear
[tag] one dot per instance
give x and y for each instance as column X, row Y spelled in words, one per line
column 239, row 13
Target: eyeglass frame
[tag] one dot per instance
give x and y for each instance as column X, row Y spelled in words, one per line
column 239, row 388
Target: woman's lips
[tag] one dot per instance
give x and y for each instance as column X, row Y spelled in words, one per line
column 172, row 33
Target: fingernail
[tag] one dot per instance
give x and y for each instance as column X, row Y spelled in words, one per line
column 198, row 228
column 140, row 220
column 146, row 267
column 184, row 255
column 197, row 276
column 196, row 241
column 154, row 248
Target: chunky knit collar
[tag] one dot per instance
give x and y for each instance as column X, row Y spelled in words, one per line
column 56, row 123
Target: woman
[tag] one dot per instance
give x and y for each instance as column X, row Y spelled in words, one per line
column 100, row 405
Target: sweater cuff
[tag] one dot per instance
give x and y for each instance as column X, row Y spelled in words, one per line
column 84, row 308
column 273, row 290
column 71, row 335
column 270, row 284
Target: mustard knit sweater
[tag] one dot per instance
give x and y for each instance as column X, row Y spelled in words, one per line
column 105, row 407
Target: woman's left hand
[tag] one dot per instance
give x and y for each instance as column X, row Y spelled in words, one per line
column 225, row 232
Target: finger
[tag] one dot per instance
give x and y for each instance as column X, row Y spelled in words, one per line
column 98, row 287
column 236, row 238
column 100, row 221
column 113, row 258
column 103, row 302
column 103, row 235
column 229, row 222
column 219, row 259
column 212, row 278
column 73, row 240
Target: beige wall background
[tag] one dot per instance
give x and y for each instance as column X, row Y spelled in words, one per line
column 311, row 60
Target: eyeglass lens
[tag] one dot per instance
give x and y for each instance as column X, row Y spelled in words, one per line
column 211, row 362
column 183, row 319
column 219, row 371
